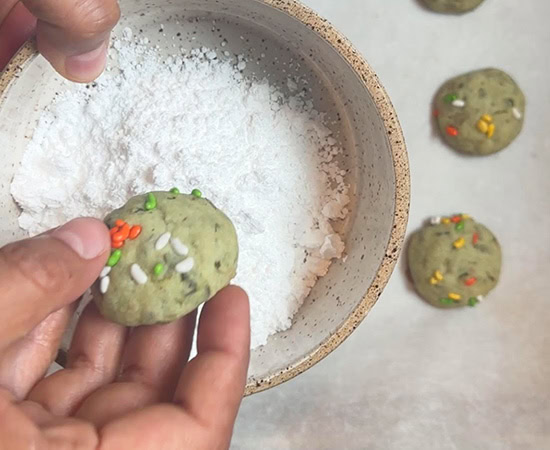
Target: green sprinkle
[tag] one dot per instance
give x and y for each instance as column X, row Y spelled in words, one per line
column 459, row 226
column 449, row 98
column 114, row 258
column 446, row 301
column 196, row 193
column 151, row 202
column 174, row 190
column 473, row 301
column 158, row 269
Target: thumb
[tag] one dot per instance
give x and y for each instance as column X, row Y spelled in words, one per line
column 73, row 35
column 44, row 273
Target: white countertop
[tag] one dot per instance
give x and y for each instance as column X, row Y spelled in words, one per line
column 413, row 376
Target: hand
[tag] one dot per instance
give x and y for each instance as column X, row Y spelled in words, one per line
column 72, row 35
column 121, row 388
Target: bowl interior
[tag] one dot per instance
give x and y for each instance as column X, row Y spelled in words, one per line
column 354, row 113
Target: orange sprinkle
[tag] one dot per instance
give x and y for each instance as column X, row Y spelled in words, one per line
column 456, row 219
column 119, row 222
column 470, row 281
column 113, row 230
column 118, row 237
column 125, row 231
column 117, row 244
column 475, row 238
column 135, row 231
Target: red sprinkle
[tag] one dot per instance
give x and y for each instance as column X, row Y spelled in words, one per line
column 470, row 281
column 452, row 131
column 117, row 244
column 436, row 113
column 135, row 231
column 475, row 238
column 456, row 219
column 119, row 222
column 113, row 230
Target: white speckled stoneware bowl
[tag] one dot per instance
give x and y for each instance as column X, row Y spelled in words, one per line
column 358, row 111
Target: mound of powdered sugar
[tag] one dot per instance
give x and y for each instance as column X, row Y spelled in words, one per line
column 194, row 121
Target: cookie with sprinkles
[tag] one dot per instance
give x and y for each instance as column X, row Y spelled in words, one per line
column 454, row 261
column 170, row 253
column 452, row 6
column 481, row 112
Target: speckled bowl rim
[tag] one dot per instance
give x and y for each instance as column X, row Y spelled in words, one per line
column 400, row 162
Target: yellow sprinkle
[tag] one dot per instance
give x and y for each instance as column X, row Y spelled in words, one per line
column 491, row 130
column 487, row 118
column 438, row 275
column 454, row 296
column 466, row 216
column 459, row 243
column 446, row 220
column 482, row 126
column 433, row 280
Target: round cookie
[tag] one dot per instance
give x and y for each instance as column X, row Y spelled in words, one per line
column 454, row 262
column 170, row 253
column 481, row 112
column 452, row 6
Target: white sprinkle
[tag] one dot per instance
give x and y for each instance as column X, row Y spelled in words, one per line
column 105, row 271
column 179, row 247
column 138, row 274
column 162, row 240
column 479, row 298
column 517, row 113
column 185, row 266
column 104, row 284
column 436, row 220
column 458, row 103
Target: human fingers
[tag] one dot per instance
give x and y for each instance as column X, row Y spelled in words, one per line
column 212, row 384
column 73, row 35
column 26, row 361
column 16, row 26
column 93, row 360
column 42, row 274
column 154, row 357
column 208, row 393
column 26, row 425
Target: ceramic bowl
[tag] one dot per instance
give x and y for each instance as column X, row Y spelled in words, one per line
column 358, row 111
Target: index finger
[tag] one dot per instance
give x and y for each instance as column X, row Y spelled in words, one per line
column 212, row 384
column 73, row 34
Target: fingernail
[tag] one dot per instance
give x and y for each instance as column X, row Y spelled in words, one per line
column 87, row 237
column 87, row 66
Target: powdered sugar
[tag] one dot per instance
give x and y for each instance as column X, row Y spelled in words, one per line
column 192, row 121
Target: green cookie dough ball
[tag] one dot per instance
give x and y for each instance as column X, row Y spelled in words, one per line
column 481, row 112
column 454, row 262
column 452, row 6
column 185, row 253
